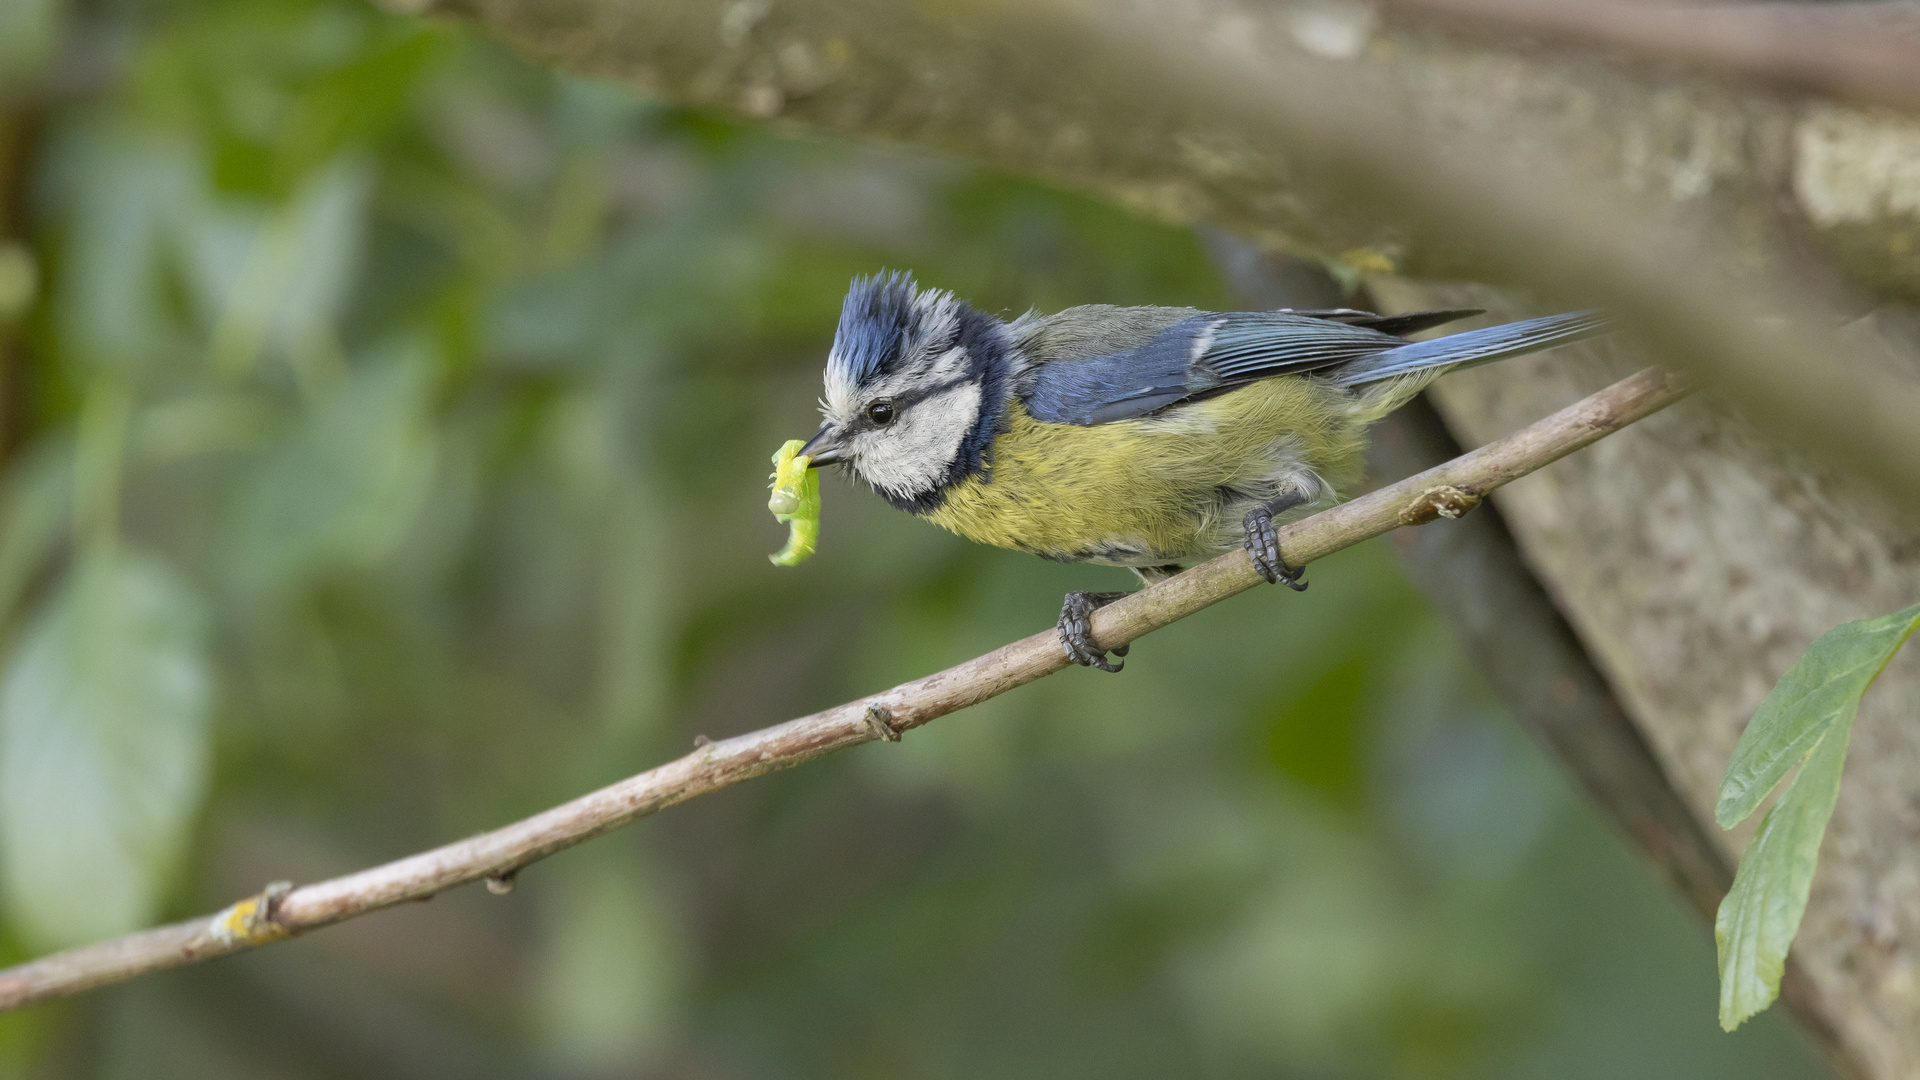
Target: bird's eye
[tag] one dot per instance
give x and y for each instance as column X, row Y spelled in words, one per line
column 881, row 413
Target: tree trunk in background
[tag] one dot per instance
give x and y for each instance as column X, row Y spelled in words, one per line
column 1695, row 559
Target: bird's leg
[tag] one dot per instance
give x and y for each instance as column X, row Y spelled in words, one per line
column 1263, row 542
column 1076, row 629
column 1076, row 615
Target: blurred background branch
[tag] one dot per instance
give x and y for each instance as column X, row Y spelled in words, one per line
column 1854, row 52
column 1693, row 303
column 1347, row 132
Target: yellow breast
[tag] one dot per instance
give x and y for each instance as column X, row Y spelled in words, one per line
column 1156, row 489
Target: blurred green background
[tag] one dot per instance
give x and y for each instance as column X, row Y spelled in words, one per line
column 386, row 424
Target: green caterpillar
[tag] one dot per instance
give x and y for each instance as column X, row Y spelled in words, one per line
column 796, row 501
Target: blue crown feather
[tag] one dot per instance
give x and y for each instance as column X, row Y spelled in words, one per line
column 876, row 321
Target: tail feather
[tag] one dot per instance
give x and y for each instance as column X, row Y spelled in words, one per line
column 1473, row 347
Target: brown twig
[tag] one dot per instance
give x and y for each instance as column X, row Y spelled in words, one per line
column 280, row 912
column 1859, row 52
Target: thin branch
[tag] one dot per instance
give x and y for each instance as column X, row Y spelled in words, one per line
column 282, row 911
column 1859, row 52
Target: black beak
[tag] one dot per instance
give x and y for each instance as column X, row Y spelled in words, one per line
column 824, row 448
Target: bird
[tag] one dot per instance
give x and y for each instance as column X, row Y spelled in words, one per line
column 1144, row 437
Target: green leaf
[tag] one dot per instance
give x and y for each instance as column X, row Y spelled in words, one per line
column 1821, row 691
column 125, row 192
column 1806, row 720
column 1761, row 913
column 103, row 749
column 277, row 280
column 342, row 487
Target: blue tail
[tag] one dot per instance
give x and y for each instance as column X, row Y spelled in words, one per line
column 1473, row 347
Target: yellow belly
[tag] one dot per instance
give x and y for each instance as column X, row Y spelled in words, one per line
column 1163, row 488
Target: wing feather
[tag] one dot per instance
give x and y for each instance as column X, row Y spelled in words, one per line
column 1175, row 354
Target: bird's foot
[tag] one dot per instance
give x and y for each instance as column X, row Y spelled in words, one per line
column 1076, row 629
column 1263, row 545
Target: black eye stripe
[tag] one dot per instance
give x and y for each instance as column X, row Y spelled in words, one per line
column 920, row 394
column 904, row 401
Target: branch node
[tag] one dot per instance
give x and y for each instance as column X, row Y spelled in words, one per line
column 701, row 741
column 1445, row 501
column 502, row 883
column 879, row 720
column 251, row 921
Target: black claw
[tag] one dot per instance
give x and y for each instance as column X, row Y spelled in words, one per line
column 1263, row 545
column 1076, row 630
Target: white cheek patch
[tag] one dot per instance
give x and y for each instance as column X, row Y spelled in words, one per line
column 912, row 457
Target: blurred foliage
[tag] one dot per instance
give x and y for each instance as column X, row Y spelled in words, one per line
column 391, row 463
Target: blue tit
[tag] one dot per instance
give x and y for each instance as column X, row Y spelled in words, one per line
column 1144, row 437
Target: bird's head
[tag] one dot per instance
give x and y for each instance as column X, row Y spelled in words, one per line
column 914, row 390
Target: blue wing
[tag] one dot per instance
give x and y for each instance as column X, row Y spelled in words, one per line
column 1208, row 352
column 1474, row 347
column 1099, row 389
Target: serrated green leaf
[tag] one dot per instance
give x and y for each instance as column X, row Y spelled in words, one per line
column 103, row 749
column 1761, row 913
column 1817, row 694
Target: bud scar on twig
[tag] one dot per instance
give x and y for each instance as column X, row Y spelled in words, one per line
column 1445, row 501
